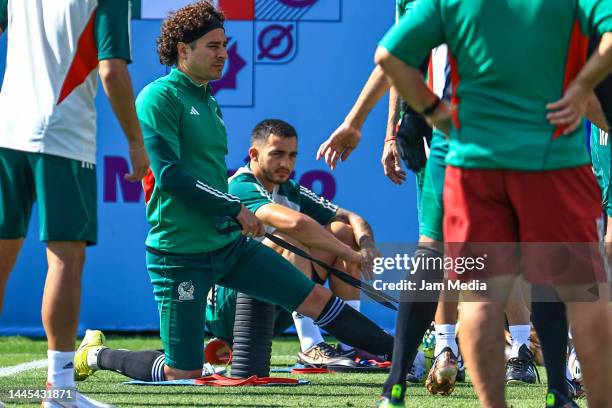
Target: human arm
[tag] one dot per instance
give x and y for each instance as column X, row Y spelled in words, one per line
column 364, row 236
column 594, row 112
column 346, row 137
column 160, row 112
column 402, row 51
column 390, row 160
column 112, row 36
column 117, row 85
column 409, row 82
column 305, row 230
column 567, row 112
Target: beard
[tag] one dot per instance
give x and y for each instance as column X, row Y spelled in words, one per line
column 275, row 178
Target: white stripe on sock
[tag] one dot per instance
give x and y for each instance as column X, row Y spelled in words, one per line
column 158, row 369
column 332, row 313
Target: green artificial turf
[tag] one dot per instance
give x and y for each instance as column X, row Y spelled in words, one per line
column 329, row 390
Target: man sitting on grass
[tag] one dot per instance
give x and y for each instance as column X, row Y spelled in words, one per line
column 305, row 220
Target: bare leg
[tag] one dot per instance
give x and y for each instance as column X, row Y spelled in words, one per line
column 446, row 313
column 594, row 351
column 482, row 346
column 519, row 316
column 302, row 264
column 176, row 374
column 9, row 249
column 343, row 232
column 62, row 295
column 517, row 310
column 482, row 340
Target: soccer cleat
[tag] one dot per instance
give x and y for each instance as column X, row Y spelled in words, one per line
column 357, row 355
column 94, row 339
column 443, row 374
column 351, row 353
column 395, row 401
column 574, row 389
column 522, row 369
column 573, row 365
column 460, row 369
column 70, row 398
column 417, row 372
column 323, row 355
column 556, row 400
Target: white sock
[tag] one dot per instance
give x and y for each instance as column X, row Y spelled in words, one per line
column 446, row 337
column 60, row 372
column 92, row 358
column 355, row 304
column 307, row 331
column 520, row 335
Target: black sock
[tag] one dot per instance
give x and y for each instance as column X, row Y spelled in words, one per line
column 413, row 319
column 146, row 365
column 550, row 321
column 352, row 328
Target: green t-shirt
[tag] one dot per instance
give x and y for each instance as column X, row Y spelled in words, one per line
column 600, row 156
column 509, row 61
column 244, row 185
column 186, row 140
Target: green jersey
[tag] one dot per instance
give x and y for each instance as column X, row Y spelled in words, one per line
column 186, row 192
column 600, row 156
column 403, row 6
column 509, row 59
column 244, row 185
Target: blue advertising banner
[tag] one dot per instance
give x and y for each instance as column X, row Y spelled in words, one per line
column 303, row 61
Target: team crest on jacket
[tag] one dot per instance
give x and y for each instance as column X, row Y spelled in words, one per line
column 185, row 290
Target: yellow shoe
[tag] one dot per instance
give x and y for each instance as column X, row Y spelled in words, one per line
column 94, row 339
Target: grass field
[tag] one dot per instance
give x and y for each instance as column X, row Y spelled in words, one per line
column 330, row 390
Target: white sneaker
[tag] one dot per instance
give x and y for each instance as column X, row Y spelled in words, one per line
column 80, row 401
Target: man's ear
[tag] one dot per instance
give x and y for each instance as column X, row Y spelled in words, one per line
column 253, row 154
column 181, row 51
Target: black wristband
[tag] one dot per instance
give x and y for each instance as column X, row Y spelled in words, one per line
column 432, row 108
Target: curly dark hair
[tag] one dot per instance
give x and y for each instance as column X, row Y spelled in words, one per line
column 188, row 19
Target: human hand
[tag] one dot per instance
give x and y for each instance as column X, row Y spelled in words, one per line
column 251, row 226
column 340, row 144
column 568, row 111
column 441, row 118
column 391, row 163
column 139, row 160
column 369, row 252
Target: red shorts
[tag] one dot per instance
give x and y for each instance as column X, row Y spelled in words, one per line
column 541, row 223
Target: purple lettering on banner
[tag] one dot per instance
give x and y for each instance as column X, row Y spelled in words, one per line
column 328, row 183
column 115, row 167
